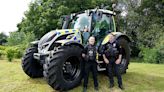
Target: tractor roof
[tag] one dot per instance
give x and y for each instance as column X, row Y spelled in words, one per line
column 104, row 11
column 95, row 10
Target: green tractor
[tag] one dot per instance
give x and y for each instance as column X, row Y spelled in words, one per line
column 57, row 55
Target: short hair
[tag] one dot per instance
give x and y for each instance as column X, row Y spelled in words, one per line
column 93, row 37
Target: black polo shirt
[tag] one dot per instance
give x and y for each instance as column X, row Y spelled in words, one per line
column 90, row 51
column 112, row 49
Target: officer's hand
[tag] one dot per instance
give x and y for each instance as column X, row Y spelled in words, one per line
column 118, row 61
column 83, row 55
column 106, row 61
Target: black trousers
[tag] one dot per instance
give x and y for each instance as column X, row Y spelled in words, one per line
column 112, row 66
column 90, row 66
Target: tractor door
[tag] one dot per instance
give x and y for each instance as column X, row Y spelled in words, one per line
column 102, row 26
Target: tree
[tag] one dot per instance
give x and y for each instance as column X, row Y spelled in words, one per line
column 44, row 15
column 3, row 38
column 20, row 38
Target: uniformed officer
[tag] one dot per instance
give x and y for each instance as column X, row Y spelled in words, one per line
column 112, row 54
column 89, row 55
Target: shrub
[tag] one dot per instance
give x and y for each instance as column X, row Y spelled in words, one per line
column 19, row 51
column 2, row 51
column 20, row 38
column 18, row 41
column 160, row 47
column 2, row 47
column 152, row 55
column 10, row 53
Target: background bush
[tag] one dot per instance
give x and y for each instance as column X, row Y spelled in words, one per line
column 20, row 38
column 2, row 51
column 149, row 55
column 160, row 50
column 16, row 45
column 10, row 52
column 14, row 52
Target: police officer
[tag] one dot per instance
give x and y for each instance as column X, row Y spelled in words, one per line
column 89, row 55
column 112, row 54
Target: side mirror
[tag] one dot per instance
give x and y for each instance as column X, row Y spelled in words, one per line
column 65, row 20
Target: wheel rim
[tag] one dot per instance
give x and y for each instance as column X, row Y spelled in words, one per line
column 71, row 68
column 123, row 61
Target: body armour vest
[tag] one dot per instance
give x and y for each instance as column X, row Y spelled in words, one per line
column 91, row 52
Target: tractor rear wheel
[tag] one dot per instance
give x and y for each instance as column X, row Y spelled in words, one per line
column 30, row 65
column 126, row 54
column 63, row 71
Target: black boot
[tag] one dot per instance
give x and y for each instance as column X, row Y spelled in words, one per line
column 96, row 89
column 85, row 89
column 121, row 87
column 111, row 85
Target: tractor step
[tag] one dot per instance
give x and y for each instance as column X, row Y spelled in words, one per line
column 100, row 69
column 101, row 66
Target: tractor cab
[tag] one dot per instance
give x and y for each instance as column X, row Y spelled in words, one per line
column 95, row 22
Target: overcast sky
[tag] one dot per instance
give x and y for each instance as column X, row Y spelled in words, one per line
column 11, row 13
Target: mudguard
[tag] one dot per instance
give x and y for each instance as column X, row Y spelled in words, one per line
column 117, row 35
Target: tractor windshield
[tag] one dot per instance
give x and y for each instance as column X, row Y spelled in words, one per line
column 102, row 26
column 97, row 24
column 80, row 22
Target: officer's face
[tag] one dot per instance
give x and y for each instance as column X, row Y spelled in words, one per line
column 111, row 38
column 92, row 40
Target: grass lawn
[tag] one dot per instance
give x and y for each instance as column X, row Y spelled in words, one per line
column 139, row 78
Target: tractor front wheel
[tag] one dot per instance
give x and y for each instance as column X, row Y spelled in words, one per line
column 30, row 65
column 63, row 71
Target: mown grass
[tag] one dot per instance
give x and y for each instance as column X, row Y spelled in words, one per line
column 140, row 77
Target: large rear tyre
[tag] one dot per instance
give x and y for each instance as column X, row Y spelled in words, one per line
column 30, row 65
column 126, row 54
column 63, row 71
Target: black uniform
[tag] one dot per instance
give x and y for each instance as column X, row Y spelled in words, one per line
column 90, row 64
column 112, row 52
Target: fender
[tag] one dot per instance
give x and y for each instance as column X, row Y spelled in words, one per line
column 117, row 35
column 34, row 43
column 74, row 43
column 65, row 43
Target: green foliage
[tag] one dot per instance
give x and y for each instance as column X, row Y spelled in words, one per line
column 145, row 26
column 20, row 38
column 149, row 55
column 17, row 43
column 13, row 52
column 2, row 47
column 2, row 51
column 3, row 38
column 19, row 52
column 160, row 47
column 152, row 55
column 10, row 52
column 16, row 38
column 44, row 15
